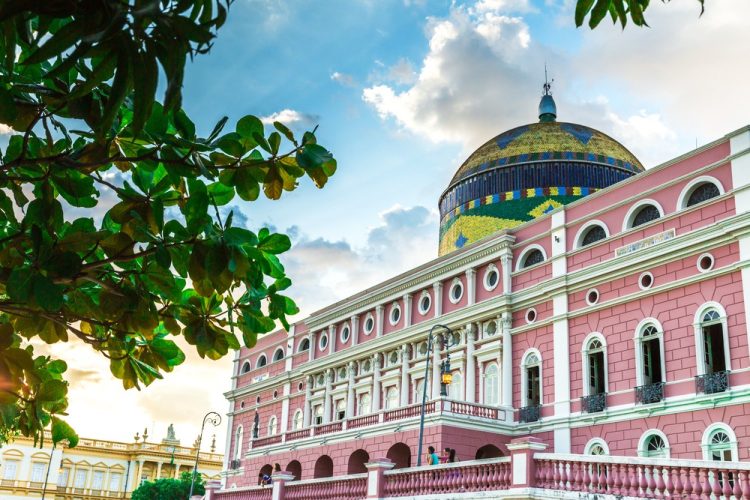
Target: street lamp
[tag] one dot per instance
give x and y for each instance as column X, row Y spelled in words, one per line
column 214, row 419
column 445, row 379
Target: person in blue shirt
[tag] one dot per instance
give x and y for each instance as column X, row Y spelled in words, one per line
column 432, row 458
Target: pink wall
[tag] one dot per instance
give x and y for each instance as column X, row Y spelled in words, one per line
column 387, row 326
column 449, row 306
column 482, row 293
column 541, row 339
column 531, row 276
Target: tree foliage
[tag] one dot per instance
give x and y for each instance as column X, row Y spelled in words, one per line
column 78, row 87
column 169, row 489
column 619, row 11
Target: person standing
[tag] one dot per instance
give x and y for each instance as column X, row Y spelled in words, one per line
column 432, row 458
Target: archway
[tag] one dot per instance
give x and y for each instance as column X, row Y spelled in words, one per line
column 294, row 467
column 399, row 454
column 323, row 467
column 357, row 461
column 488, row 451
column 265, row 470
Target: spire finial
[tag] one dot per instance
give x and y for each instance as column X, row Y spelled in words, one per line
column 547, row 83
column 547, row 108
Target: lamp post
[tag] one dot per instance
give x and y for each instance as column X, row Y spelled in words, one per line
column 445, row 378
column 214, row 419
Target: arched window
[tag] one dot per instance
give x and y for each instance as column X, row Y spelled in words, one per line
column 702, row 193
column 340, row 409
column 238, row 443
column 491, row 385
column 699, row 190
column 391, row 398
column 318, row 412
column 418, row 390
column 272, row 426
column 595, row 365
column 719, row 444
column 456, row 388
column 530, row 257
column 596, row 447
column 712, row 348
column 593, row 234
column 532, row 379
column 650, row 372
column 304, row 345
column 641, row 213
column 245, row 367
column 364, row 404
column 279, row 354
column 653, row 444
column 261, row 361
column 298, row 420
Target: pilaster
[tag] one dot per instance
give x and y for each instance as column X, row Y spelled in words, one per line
column 437, row 289
column 471, row 286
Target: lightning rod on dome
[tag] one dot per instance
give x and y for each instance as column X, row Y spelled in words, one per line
column 547, row 83
column 547, row 107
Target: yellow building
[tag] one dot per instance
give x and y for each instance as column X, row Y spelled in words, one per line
column 96, row 469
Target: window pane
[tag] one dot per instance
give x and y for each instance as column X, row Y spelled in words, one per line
column 80, row 481
column 114, row 481
column 10, row 469
column 37, row 472
column 97, row 480
column 62, row 478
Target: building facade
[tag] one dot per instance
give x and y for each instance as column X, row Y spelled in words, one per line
column 583, row 301
column 95, row 468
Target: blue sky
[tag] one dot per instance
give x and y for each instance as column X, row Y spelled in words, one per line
column 403, row 91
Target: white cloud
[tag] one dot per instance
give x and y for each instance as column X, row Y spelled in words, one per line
column 402, row 73
column 289, row 116
column 343, row 79
column 5, row 129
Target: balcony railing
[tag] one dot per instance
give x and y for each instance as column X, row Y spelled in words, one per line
column 711, row 383
column 234, row 464
column 594, row 403
column 649, row 393
column 475, row 475
column 529, row 413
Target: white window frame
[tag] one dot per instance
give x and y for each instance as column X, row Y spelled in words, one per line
column 388, row 391
column 115, row 481
column 280, row 349
column 691, row 186
column 638, row 339
column 246, row 367
column 63, row 474
column 585, row 361
column 257, row 361
column 494, row 399
column 486, row 326
column 457, row 386
column 486, row 279
column 368, row 318
column 238, row 442
column 98, row 473
column 272, row 425
column 524, row 376
column 301, row 343
column 456, row 283
column 708, row 434
column 627, row 223
column 524, row 253
column 424, row 310
column 364, row 409
column 698, row 329
column 35, row 468
column 394, row 307
column 346, row 328
column 596, row 442
column 581, row 234
column 16, row 465
column 85, row 472
column 323, row 337
column 642, row 442
column 298, row 420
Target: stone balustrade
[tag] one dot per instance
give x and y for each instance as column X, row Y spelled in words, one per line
column 477, row 475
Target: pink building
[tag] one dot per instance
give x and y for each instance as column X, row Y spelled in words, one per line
column 593, row 305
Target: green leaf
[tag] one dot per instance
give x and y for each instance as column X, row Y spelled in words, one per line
column 8, row 112
column 62, row 431
column 52, row 390
column 249, row 126
column 76, row 188
column 275, row 243
column 582, row 9
column 57, row 44
column 48, row 295
column 20, row 283
column 220, row 193
column 145, row 80
column 598, row 13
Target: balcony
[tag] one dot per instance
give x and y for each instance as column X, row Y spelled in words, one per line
column 712, row 383
column 234, row 464
column 595, row 403
column 529, row 413
column 649, row 393
column 411, row 412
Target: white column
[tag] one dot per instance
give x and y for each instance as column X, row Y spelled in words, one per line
column 436, row 368
column 355, row 329
column 290, row 347
column 379, row 316
column 375, row 383
column 469, row 373
column 158, row 470
column 313, row 338
column 404, row 352
column 285, row 407
column 559, row 263
column 350, row 391
column 307, row 411
column 471, row 288
column 506, row 261
column 331, row 339
column 741, row 185
column 561, row 364
column 327, row 397
column 407, row 310
column 437, row 289
column 507, row 365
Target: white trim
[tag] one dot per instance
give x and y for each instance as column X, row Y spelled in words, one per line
column 598, row 296
column 700, row 258
column 524, row 378
column 323, row 336
column 642, row 452
column 273, row 429
column 706, row 440
column 371, row 318
column 691, row 186
column 593, row 442
column 627, row 223
column 584, row 360
column 298, row 411
column 524, row 253
column 578, row 241
column 257, row 361
column 346, row 328
column 698, row 329
column 245, row 364
column 485, row 279
column 394, row 307
column 301, row 343
column 639, row 349
column 238, row 436
column 424, row 311
column 283, row 355
column 640, row 279
column 456, row 283
column 483, row 377
column 526, row 315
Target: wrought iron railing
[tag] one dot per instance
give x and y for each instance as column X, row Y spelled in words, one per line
column 529, row 413
column 711, row 383
column 594, row 403
column 234, row 464
column 649, row 393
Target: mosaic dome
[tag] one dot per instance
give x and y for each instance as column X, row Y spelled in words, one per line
column 526, row 172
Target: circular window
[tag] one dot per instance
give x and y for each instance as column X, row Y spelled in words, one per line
column 423, row 348
column 275, row 394
column 490, row 328
column 320, row 380
column 366, row 366
column 531, row 315
column 345, row 333
column 424, row 304
column 457, row 291
column 369, row 324
column 257, row 400
column 395, row 315
column 491, row 278
column 300, row 386
column 323, row 343
column 592, row 296
column 705, row 262
column 645, row 281
column 393, row 358
column 342, row 374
